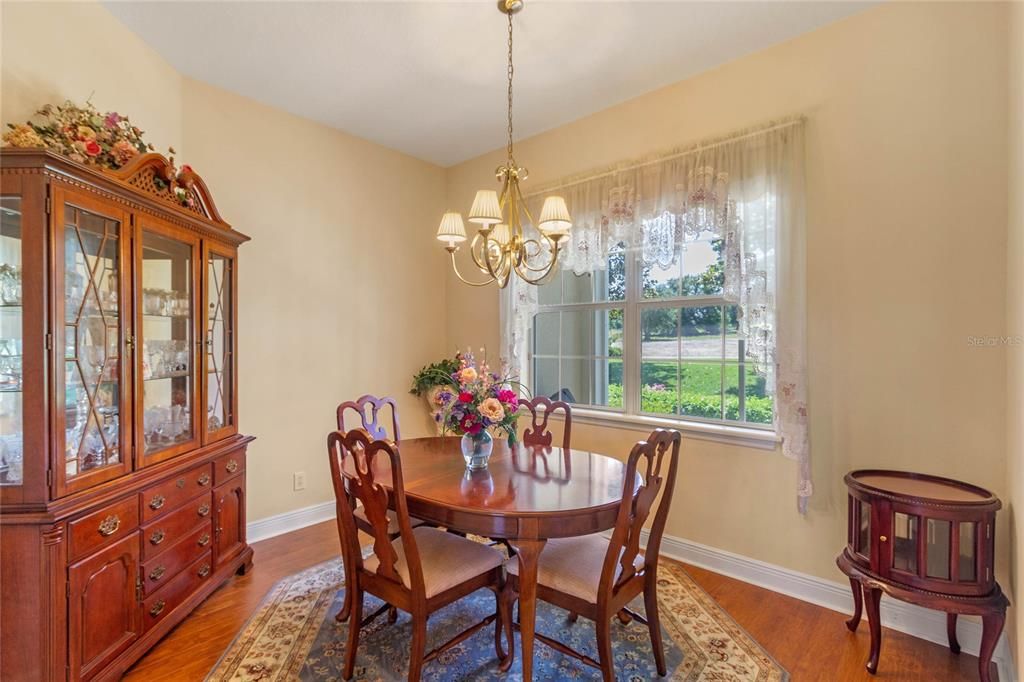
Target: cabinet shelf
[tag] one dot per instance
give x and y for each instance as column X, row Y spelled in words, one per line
column 170, row 375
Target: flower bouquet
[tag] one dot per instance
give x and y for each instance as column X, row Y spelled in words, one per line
column 478, row 399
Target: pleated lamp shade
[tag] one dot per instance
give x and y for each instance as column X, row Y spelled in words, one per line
column 554, row 217
column 485, row 210
column 451, row 229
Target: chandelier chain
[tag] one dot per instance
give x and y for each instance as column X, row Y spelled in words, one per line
column 511, row 71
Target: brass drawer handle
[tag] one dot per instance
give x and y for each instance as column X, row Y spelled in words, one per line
column 231, row 466
column 157, row 609
column 204, row 570
column 157, row 573
column 204, row 479
column 205, row 540
column 109, row 525
column 157, row 502
column 157, row 537
column 204, row 510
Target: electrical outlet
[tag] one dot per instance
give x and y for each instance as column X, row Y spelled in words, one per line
column 299, row 480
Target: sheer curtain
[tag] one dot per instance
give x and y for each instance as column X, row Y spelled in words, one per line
column 746, row 189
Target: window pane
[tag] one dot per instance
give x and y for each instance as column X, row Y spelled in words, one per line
column 703, row 273
column 545, row 377
column 577, row 288
column 612, row 282
column 659, row 283
column 734, row 345
column 577, row 333
column 759, row 404
column 611, row 321
column 613, row 395
column 702, row 333
column 700, row 386
column 864, row 529
column 545, row 334
column 658, row 382
column 551, row 292
column 575, row 384
column 659, row 333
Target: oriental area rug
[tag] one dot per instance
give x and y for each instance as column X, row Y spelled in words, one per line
column 293, row 636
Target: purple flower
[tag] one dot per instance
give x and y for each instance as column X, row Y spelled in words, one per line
column 112, row 119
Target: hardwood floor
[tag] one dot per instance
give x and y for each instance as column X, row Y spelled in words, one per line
column 809, row 641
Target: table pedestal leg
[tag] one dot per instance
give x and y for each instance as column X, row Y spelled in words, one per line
column 872, row 597
column 954, row 645
column 527, row 552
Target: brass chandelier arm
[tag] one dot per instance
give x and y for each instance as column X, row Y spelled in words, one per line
column 451, row 252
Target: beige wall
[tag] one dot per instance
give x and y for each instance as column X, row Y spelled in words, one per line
column 76, row 50
column 906, row 140
column 336, row 298
column 1015, row 319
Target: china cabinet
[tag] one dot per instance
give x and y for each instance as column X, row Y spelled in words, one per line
column 926, row 540
column 122, row 472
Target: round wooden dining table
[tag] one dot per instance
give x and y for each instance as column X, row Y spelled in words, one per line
column 526, row 496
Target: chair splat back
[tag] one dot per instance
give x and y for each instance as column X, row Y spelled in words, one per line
column 648, row 458
column 357, row 461
column 538, row 434
column 368, row 408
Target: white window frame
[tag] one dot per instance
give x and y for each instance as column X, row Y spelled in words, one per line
column 761, row 436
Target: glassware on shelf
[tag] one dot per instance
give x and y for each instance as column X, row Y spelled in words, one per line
column 10, row 285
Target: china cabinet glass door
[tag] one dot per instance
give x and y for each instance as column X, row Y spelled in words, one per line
column 219, row 285
column 91, row 244
column 166, row 295
column 11, row 331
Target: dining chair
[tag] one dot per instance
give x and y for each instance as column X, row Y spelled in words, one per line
column 369, row 409
column 598, row 577
column 422, row 570
column 538, row 434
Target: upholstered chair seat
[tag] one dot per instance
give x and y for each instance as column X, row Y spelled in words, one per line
column 573, row 565
column 448, row 560
column 364, row 523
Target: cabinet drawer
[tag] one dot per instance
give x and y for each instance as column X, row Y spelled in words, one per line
column 162, row 602
column 227, row 466
column 103, row 527
column 172, row 493
column 161, row 534
column 160, row 571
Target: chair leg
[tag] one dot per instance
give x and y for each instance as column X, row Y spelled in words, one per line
column 419, row 644
column 346, row 606
column 508, row 602
column 654, row 623
column 604, row 648
column 392, row 615
column 356, row 618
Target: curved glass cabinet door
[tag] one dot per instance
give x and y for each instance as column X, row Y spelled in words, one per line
column 11, row 340
column 220, row 284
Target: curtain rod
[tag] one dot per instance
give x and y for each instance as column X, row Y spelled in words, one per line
column 668, row 156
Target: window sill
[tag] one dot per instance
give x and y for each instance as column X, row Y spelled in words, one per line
column 762, row 439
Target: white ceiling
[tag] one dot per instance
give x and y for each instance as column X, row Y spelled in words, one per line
column 428, row 78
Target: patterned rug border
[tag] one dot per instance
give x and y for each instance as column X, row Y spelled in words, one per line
column 323, row 603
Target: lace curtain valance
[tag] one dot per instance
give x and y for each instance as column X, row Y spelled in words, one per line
column 745, row 189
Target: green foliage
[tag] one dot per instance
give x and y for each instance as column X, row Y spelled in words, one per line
column 435, row 374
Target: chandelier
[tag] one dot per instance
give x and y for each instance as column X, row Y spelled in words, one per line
column 501, row 247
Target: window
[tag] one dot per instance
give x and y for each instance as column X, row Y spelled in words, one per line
column 648, row 337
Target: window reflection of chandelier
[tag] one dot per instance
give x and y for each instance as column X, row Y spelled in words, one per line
column 501, row 247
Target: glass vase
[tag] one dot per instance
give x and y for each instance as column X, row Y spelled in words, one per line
column 476, row 449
